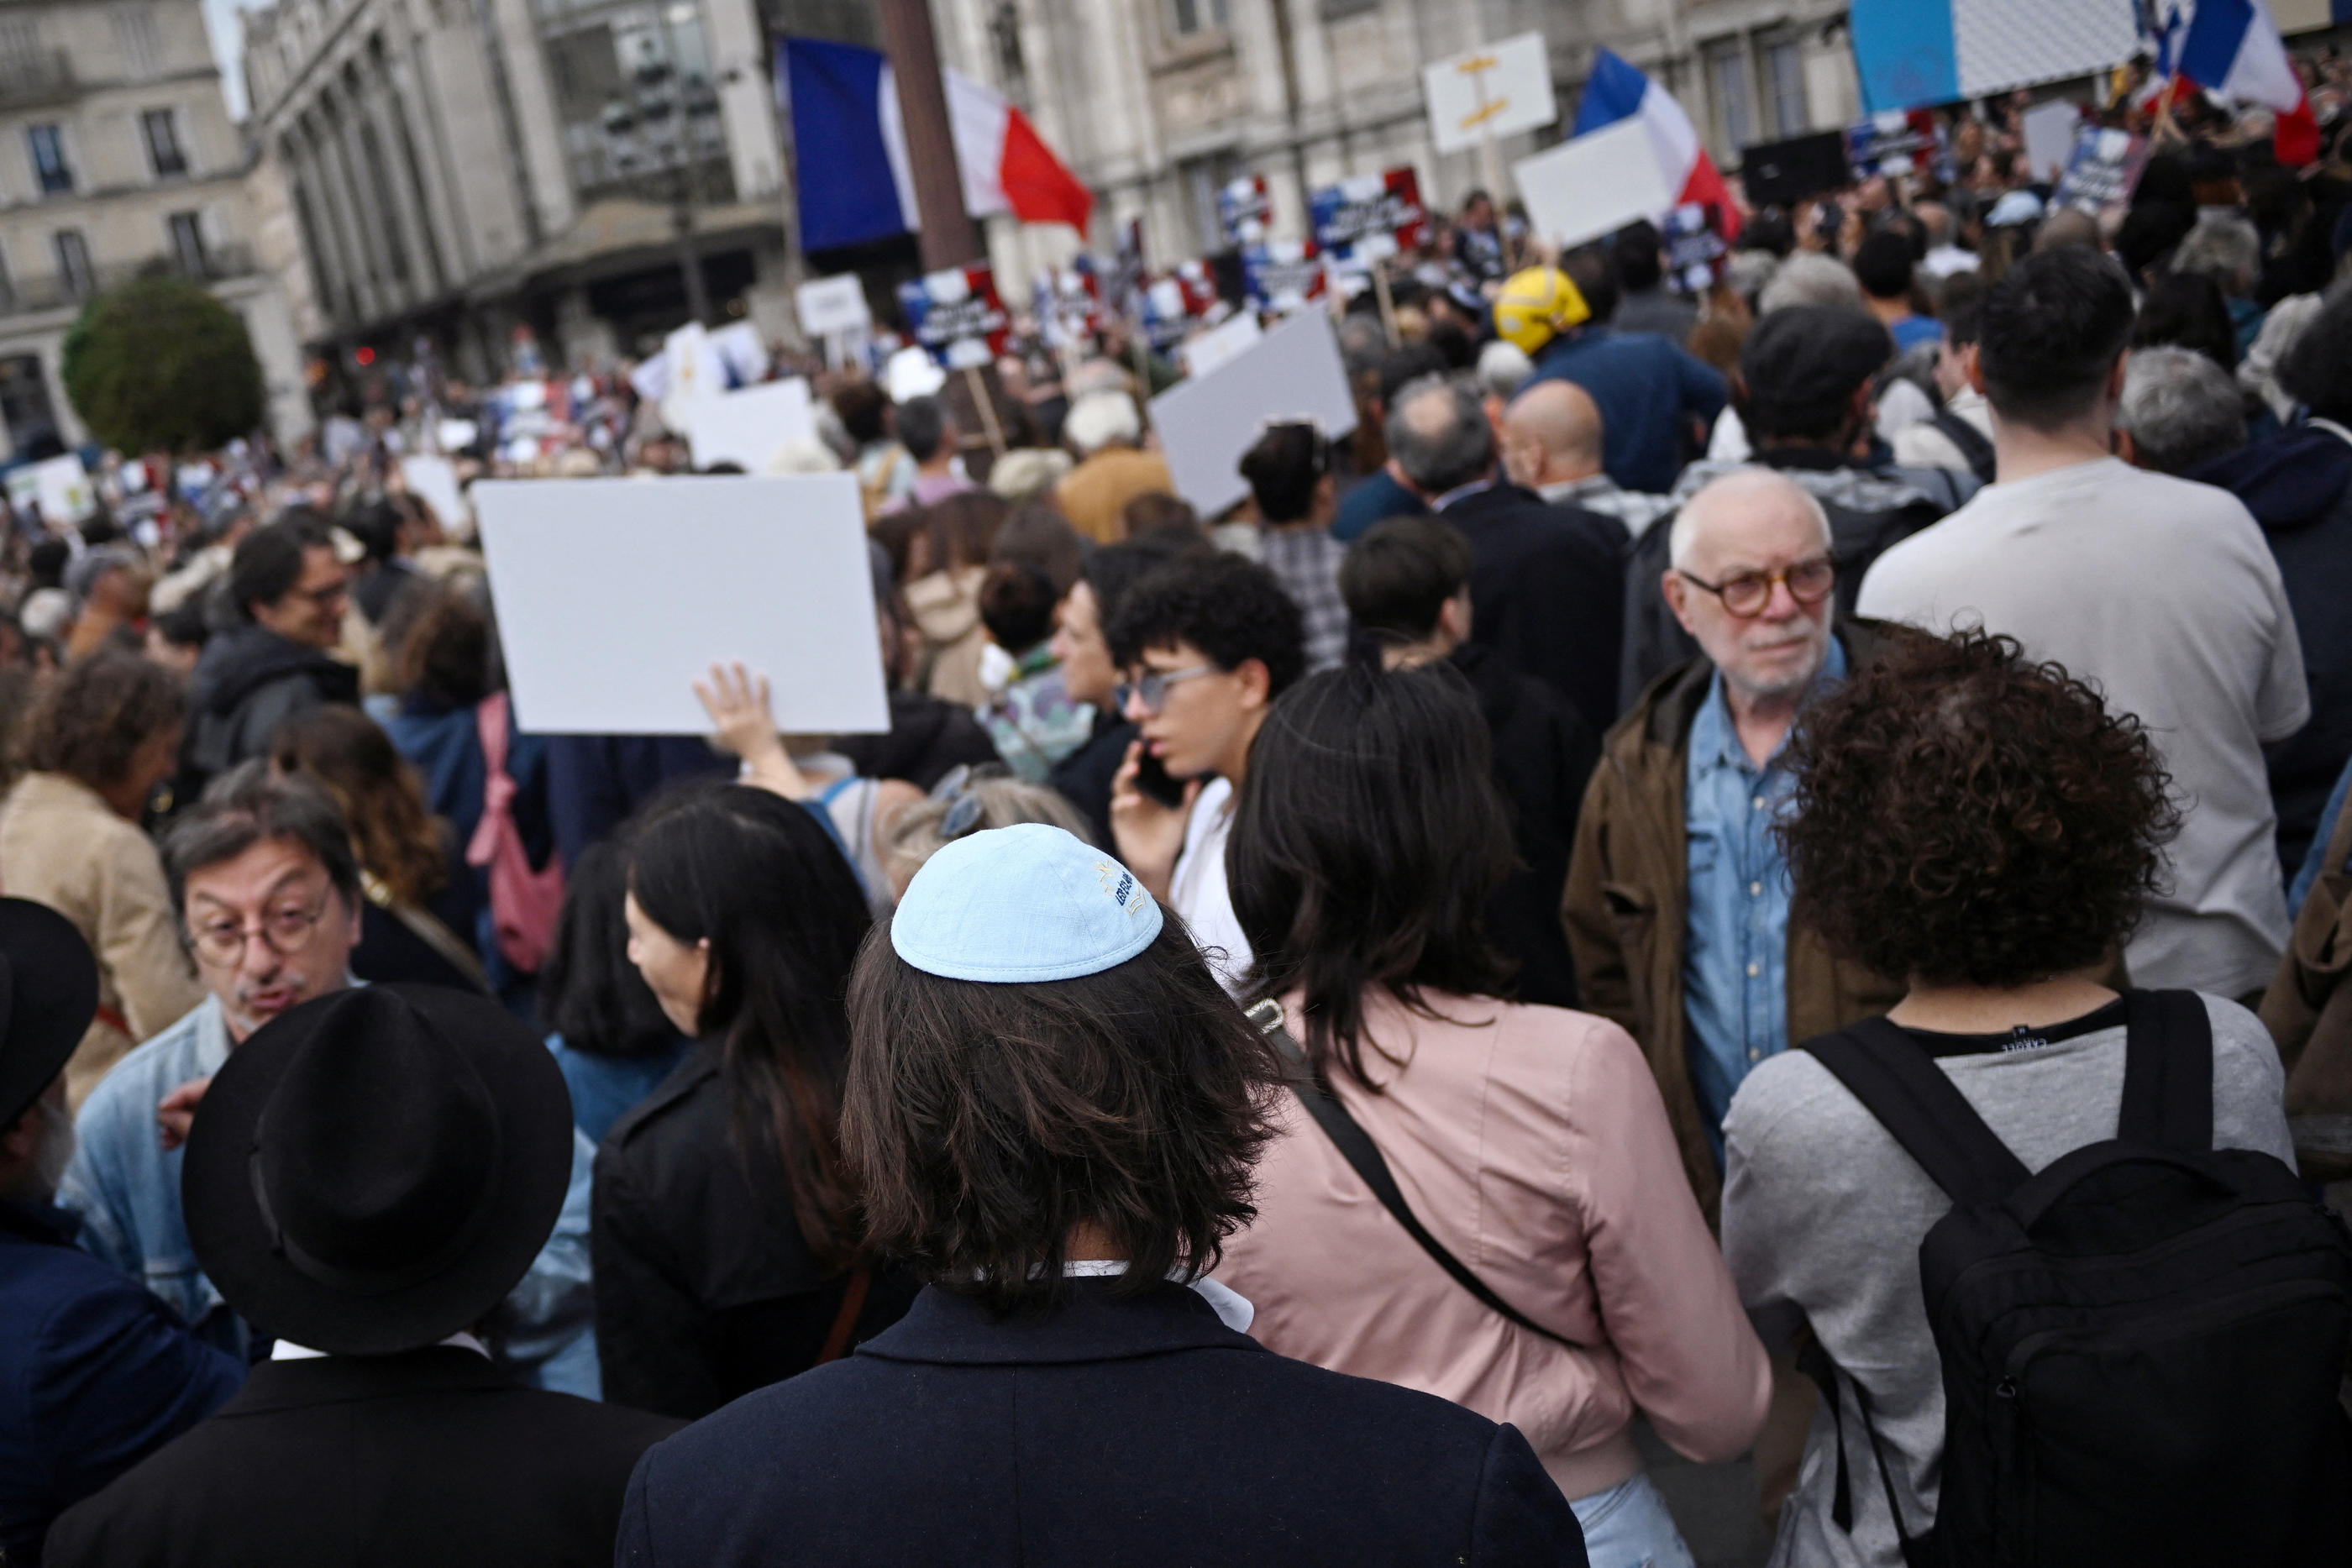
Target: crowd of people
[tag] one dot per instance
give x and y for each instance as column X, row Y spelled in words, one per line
column 1576, row 907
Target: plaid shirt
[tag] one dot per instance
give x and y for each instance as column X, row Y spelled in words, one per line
column 1305, row 561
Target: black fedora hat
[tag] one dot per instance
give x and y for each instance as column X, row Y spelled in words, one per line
column 374, row 1170
column 48, row 994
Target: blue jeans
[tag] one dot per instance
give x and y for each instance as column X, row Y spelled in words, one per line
column 1628, row 1527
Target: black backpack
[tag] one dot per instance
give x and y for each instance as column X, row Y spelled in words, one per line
column 1973, row 443
column 2143, row 1345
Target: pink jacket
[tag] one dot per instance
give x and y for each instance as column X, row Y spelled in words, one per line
column 1533, row 1143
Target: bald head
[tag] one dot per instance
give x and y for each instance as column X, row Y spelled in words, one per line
column 1551, row 435
column 1760, row 524
column 1744, row 504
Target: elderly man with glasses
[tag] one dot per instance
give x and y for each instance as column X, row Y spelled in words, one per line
column 263, row 876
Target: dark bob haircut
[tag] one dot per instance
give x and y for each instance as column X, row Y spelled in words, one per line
column 1396, row 579
column 1367, row 838
column 984, row 1122
column 589, row 992
column 1230, row 609
column 92, row 719
column 1965, row 816
column 2050, row 332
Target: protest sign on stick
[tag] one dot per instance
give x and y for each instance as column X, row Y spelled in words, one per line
column 614, row 596
column 1207, row 422
column 1594, row 185
column 2104, row 168
column 746, row 426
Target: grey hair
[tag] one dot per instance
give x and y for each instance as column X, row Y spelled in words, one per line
column 1808, row 278
column 2224, row 246
column 1362, row 345
column 1682, row 534
column 1458, row 452
column 249, row 805
column 1100, row 419
column 917, row 833
column 2179, row 408
column 1503, row 369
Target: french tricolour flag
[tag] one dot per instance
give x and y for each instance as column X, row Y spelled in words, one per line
column 856, row 183
column 1619, row 90
column 2231, row 49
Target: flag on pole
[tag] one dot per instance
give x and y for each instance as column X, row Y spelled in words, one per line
column 2231, row 49
column 1618, row 90
column 855, row 182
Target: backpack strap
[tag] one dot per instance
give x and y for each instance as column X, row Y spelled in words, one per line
column 1357, row 1147
column 2167, row 1071
column 1973, row 447
column 1900, row 1084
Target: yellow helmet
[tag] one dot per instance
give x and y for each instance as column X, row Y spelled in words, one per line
column 1535, row 305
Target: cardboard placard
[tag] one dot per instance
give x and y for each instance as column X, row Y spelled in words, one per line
column 65, row 492
column 957, row 316
column 1496, row 89
column 2050, row 137
column 1244, row 209
column 1384, row 207
column 1205, row 423
column 749, row 424
column 614, row 596
column 434, row 481
column 2106, row 165
column 831, row 304
column 1594, row 185
column 1219, row 343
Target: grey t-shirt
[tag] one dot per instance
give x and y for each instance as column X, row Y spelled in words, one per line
column 2162, row 593
column 1823, row 1217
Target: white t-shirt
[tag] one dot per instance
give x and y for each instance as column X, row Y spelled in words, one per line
column 1197, row 893
column 2162, row 593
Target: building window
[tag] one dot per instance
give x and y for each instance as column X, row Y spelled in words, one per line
column 47, row 145
column 1784, row 76
column 188, row 244
column 8, row 286
column 24, row 405
column 1735, row 108
column 134, row 34
column 160, row 128
column 1186, row 18
column 73, row 264
column 1202, row 179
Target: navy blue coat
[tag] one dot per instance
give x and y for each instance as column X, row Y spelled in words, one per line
column 95, row 1375
column 1142, row 1432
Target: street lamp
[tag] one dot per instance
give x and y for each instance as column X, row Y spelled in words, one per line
column 655, row 137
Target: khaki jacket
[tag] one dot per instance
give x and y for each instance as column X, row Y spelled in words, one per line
column 1626, row 905
column 61, row 845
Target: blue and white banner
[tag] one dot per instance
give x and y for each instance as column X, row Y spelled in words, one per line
column 1914, row 53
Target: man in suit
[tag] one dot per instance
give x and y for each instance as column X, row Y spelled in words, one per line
column 1547, row 583
column 95, row 1373
column 370, row 1174
column 1054, row 1108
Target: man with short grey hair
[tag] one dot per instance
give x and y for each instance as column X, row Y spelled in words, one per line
column 2179, row 409
column 1547, row 583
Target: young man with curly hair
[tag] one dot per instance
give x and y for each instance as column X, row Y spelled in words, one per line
column 1207, row 642
column 1986, row 827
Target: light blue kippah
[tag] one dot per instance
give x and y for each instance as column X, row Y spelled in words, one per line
column 1021, row 904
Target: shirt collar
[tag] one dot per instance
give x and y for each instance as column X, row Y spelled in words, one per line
column 1439, row 503
column 1233, row 1309
column 1570, row 489
column 286, row 1350
column 1714, row 739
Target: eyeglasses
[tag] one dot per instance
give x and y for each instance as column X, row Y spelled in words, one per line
column 1151, row 687
column 287, row 931
column 319, row 598
column 1808, row 581
column 964, row 805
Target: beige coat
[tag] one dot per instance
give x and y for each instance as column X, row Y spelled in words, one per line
column 61, row 845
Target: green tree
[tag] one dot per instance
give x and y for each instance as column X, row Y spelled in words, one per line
column 158, row 363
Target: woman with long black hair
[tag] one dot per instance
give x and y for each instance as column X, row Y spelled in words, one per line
column 725, row 1233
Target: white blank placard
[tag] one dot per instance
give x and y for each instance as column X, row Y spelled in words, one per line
column 830, row 304
column 1496, row 89
column 614, row 596
column 1594, row 185
column 434, row 480
column 747, row 425
column 1207, row 422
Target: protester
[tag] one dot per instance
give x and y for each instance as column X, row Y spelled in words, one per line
column 389, row 539
column 1106, row 433
column 268, row 894
column 1959, row 435
column 2187, row 311
column 1031, row 718
column 1551, row 444
column 1547, row 583
column 2178, row 411
column 946, row 558
column 1652, row 393
column 1053, row 1112
column 372, row 1248
column 1367, row 839
column 2225, row 246
column 2187, row 629
column 929, row 434
column 108, row 586
column 1647, row 305
column 102, row 734
column 1289, row 475
column 608, row 1033
column 973, row 802
column 95, row 1373
column 1407, row 584
column 2298, row 485
column 1989, row 828
column 1081, row 647
column 885, row 471
column 1384, row 493
column 412, row 907
column 1883, row 267
column 726, row 1247
column 1207, row 642
column 288, row 589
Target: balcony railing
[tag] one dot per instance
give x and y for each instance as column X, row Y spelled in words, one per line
column 50, row 291
column 36, row 76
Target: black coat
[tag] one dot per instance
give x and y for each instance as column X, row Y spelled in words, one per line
column 1084, row 775
column 432, row 1456
column 249, row 680
column 705, row 1289
column 1548, row 586
column 927, row 738
column 1142, row 1433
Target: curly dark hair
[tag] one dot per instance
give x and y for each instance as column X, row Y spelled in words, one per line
column 1963, row 815
column 986, row 1121
column 1231, row 609
column 95, row 715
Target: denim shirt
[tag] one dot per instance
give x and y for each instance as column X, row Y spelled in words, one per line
column 125, row 1187
column 1736, row 948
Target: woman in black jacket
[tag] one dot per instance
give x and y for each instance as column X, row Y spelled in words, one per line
column 724, row 1233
